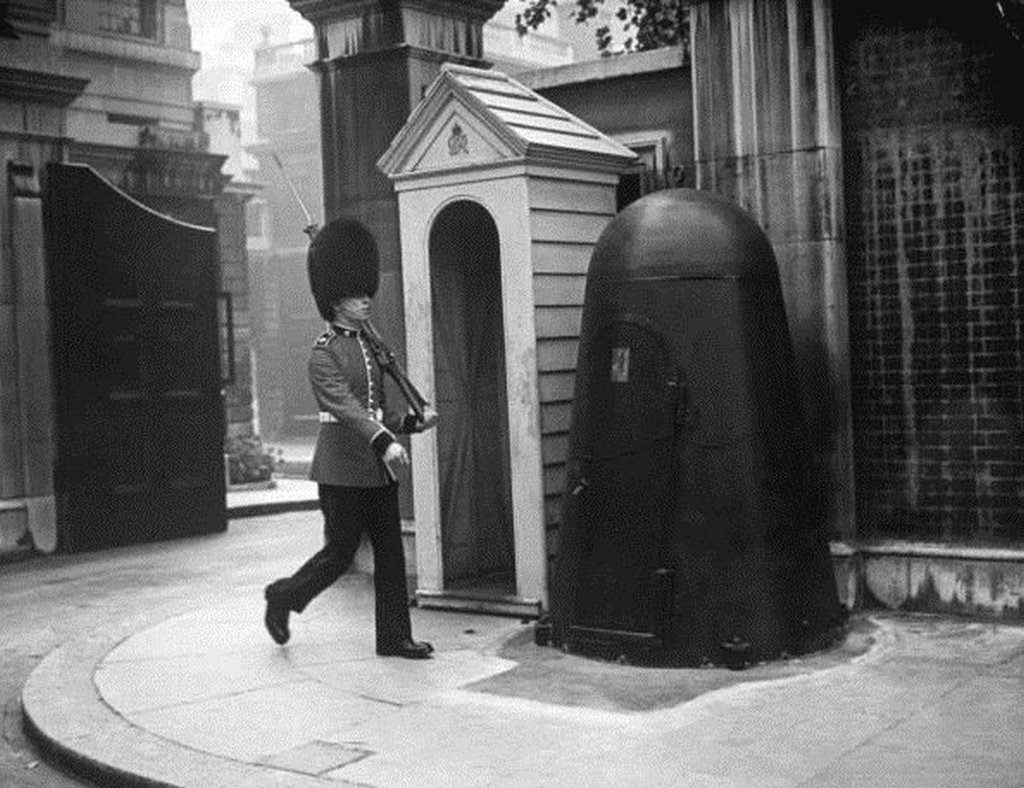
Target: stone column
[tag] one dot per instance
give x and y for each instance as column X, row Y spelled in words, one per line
column 767, row 135
column 35, row 356
column 34, row 96
column 28, row 404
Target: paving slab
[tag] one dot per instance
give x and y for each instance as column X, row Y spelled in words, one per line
column 205, row 698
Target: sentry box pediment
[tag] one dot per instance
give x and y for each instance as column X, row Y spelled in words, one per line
column 472, row 117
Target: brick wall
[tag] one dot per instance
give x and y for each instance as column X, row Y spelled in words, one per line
column 934, row 159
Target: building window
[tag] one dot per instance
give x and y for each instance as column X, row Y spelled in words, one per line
column 131, row 120
column 257, row 224
column 651, row 172
column 129, row 17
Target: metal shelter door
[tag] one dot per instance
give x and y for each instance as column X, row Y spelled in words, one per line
column 140, row 417
column 626, row 470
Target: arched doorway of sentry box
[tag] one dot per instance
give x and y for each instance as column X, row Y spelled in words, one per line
column 474, row 474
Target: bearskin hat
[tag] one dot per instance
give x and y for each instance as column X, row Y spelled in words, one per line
column 342, row 263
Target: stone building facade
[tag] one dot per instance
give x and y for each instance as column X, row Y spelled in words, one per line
column 105, row 83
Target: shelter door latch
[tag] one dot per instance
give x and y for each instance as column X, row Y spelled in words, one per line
column 685, row 415
column 581, row 478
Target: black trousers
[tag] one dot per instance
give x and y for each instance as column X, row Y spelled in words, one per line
column 348, row 511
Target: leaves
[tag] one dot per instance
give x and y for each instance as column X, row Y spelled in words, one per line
column 647, row 24
column 534, row 15
column 248, row 461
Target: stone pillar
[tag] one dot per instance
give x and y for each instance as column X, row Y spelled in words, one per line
column 34, row 355
column 34, row 96
column 767, row 135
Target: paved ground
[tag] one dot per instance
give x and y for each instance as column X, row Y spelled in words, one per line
column 49, row 601
column 152, row 661
column 45, row 601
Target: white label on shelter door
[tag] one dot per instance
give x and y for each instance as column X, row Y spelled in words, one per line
column 620, row 365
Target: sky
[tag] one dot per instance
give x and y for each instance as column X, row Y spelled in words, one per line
column 225, row 33
column 221, row 27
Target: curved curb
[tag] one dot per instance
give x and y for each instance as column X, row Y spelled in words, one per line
column 68, row 720
column 241, row 511
column 83, row 765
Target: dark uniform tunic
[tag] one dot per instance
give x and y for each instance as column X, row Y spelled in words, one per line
column 356, row 425
column 357, row 490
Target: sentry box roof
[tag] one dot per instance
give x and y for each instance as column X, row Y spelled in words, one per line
column 472, row 118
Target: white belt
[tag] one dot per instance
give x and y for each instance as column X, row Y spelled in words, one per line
column 329, row 418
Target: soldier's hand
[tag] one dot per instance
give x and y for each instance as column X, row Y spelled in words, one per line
column 395, row 456
column 429, row 418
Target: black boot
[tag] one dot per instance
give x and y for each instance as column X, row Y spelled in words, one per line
column 276, row 617
column 408, row 649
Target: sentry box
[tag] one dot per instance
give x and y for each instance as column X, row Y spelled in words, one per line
column 690, row 530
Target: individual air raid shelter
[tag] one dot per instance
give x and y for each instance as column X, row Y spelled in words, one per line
column 690, row 530
column 502, row 196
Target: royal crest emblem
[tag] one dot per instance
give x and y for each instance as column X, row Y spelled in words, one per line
column 458, row 142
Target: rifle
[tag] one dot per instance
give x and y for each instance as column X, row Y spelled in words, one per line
column 311, row 227
column 389, row 365
column 384, row 355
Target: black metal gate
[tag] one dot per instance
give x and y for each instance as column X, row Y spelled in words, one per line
column 140, row 418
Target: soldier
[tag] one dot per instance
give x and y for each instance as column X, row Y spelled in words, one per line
column 356, row 456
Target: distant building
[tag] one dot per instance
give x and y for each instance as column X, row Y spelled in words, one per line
column 105, row 83
column 507, row 51
column 285, row 320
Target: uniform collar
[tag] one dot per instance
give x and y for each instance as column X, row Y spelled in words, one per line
column 345, row 331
